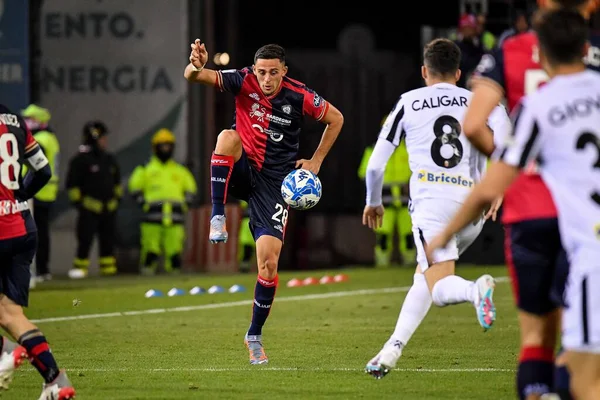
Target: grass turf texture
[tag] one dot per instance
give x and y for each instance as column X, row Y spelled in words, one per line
column 318, row 346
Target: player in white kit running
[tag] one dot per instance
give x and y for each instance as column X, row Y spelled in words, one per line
column 445, row 167
column 560, row 126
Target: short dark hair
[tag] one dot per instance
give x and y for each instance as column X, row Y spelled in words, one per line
column 562, row 34
column 442, row 57
column 270, row 52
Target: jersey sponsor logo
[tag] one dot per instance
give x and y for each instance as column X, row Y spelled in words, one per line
column 440, row 101
column 254, row 96
column 259, row 113
column 287, row 109
column 275, row 136
column 444, row 178
column 9, row 119
column 8, row 207
column 486, row 64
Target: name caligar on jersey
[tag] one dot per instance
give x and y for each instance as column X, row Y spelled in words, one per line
column 443, row 162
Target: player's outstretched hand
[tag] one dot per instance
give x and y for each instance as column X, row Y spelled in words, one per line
column 373, row 216
column 310, row 165
column 493, row 211
column 438, row 242
column 199, row 55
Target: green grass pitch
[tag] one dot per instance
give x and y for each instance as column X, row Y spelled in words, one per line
column 318, row 339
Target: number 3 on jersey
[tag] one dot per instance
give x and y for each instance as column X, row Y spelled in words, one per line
column 582, row 141
column 447, row 129
column 10, row 168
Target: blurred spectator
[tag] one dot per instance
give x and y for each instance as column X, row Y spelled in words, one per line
column 37, row 120
column 520, row 25
column 165, row 189
column 395, row 200
column 470, row 47
column 487, row 38
column 94, row 188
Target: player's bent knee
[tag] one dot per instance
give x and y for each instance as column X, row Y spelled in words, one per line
column 229, row 143
column 267, row 268
column 9, row 314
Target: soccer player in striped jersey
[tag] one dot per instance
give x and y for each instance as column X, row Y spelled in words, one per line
column 535, row 258
column 559, row 124
column 18, row 244
column 445, row 167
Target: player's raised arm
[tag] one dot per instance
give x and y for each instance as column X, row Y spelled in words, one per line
column 39, row 173
column 515, row 153
column 487, row 94
column 389, row 138
column 195, row 71
column 325, row 112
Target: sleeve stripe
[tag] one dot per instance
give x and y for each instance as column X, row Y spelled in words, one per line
column 219, row 81
column 529, row 145
column 391, row 135
column 30, row 146
column 323, row 111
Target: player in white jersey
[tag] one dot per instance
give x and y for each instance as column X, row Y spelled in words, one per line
column 445, row 167
column 560, row 125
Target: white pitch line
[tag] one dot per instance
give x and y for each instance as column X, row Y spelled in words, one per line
column 317, row 296
column 276, row 369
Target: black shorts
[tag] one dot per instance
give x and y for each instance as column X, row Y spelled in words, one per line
column 267, row 211
column 537, row 263
column 16, row 256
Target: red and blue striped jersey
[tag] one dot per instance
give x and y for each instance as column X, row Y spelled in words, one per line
column 17, row 146
column 269, row 126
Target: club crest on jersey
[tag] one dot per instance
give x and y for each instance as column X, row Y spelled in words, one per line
column 287, row 109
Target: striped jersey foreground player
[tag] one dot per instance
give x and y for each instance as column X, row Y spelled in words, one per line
column 252, row 158
column 18, row 243
column 445, row 167
column 533, row 252
column 560, row 123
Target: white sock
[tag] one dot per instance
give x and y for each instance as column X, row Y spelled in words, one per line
column 414, row 309
column 453, row 290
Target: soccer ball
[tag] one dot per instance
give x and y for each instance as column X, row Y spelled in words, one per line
column 301, row 189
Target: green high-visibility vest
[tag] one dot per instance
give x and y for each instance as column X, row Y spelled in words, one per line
column 49, row 144
column 166, row 189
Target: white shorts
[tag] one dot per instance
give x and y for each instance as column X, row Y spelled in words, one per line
column 581, row 316
column 429, row 218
